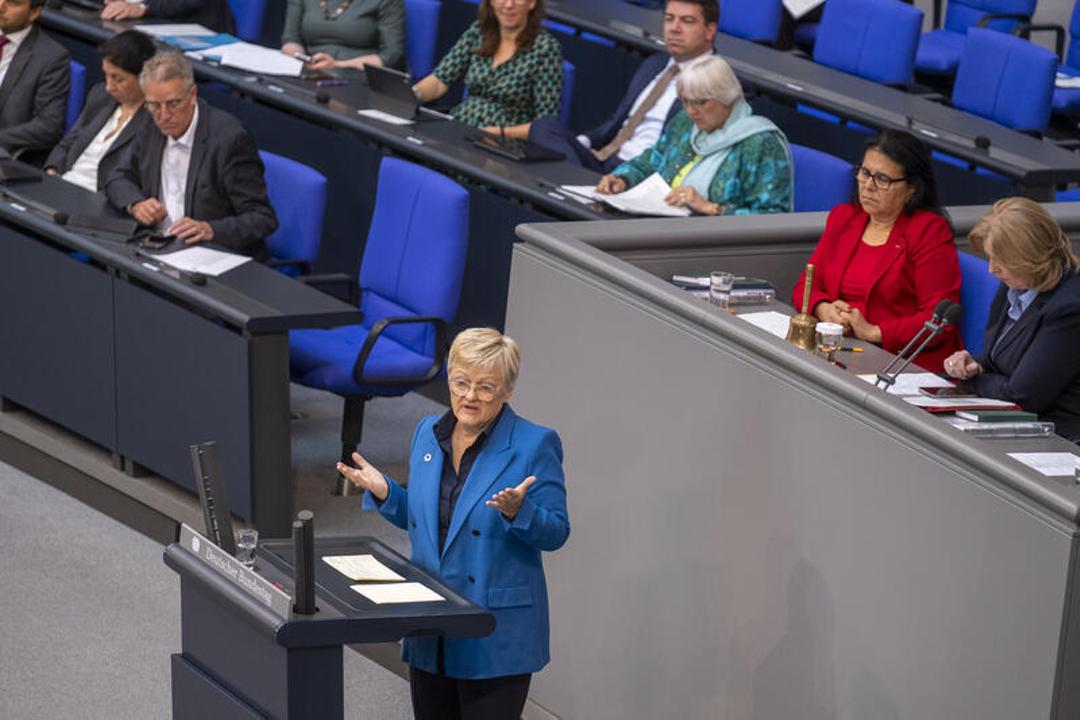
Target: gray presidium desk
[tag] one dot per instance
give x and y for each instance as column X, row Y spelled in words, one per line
column 144, row 364
column 284, row 117
column 787, row 541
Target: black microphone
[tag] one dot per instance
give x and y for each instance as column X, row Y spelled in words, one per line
column 322, row 97
column 304, row 559
column 951, row 316
column 48, row 212
column 886, row 375
column 982, row 142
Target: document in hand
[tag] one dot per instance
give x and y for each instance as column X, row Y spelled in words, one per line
column 645, row 198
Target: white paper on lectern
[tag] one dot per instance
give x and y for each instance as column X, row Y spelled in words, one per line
column 256, row 59
column 909, row 383
column 1051, row 464
column 361, row 567
column 647, row 198
column 398, row 593
column 772, row 322
column 798, row 8
column 203, row 260
column 384, row 117
column 969, row 403
column 176, row 30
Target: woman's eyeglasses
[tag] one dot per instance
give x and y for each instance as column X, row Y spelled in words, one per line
column 881, row 180
column 484, row 391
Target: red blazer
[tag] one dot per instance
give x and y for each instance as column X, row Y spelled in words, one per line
column 920, row 271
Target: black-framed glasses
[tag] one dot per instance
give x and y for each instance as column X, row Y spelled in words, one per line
column 881, row 180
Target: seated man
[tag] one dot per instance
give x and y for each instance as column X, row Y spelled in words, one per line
column 213, row 14
column 195, row 172
column 650, row 101
column 34, row 80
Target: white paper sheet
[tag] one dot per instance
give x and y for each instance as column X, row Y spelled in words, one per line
column 252, row 58
column 909, row 383
column 1066, row 81
column 967, row 403
column 384, row 117
column 772, row 322
column 1051, row 464
column 645, row 198
column 361, row 567
column 175, row 30
column 409, row 592
column 798, row 8
column 203, row 260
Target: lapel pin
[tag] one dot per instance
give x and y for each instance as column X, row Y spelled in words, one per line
column 427, row 457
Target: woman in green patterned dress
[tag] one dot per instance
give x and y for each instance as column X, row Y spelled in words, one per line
column 346, row 33
column 717, row 156
column 512, row 69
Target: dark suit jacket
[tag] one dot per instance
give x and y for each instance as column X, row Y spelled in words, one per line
column 225, row 183
column 918, row 271
column 214, row 14
column 99, row 108
column 1035, row 365
column 653, row 66
column 33, row 97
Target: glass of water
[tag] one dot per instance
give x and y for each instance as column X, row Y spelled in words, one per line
column 247, row 541
column 720, row 284
column 829, row 336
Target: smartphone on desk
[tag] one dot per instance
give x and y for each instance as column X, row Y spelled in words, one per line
column 156, row 242
column 952, row 391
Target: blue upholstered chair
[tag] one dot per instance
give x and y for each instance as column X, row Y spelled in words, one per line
column 1005, row 79
column 755, row 20
column 410, row 284
column 76, row 94
column 1066, row 101
column 874, row 39
column 298, row 195
column 977, row 290
column 939, row 50
column 822, row 181
column 422, row 17
column 569, row 74
column 249, row 16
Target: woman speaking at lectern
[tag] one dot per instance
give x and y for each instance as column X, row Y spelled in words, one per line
column 486, row 495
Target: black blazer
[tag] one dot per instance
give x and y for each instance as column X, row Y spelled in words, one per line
column 100, row 106
column 1036, row 364
column 214, row 14
column 225, row 183
column 33, row 96
column 653, row 66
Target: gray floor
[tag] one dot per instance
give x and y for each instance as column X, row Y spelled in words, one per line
column 89, row 614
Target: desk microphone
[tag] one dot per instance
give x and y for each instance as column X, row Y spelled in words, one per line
column 48, row 212
column 982, row 142
column 303, row 530
column 946, row 313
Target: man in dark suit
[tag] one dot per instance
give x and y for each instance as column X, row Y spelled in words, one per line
column 195, row 173
column 34, row 79
column 650, row 100
column 214, row 14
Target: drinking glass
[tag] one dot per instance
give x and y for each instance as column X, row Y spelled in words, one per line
column 720, row 284
column 246, row 542
column 829, row 336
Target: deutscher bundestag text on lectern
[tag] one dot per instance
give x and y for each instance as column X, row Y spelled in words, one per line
column 246, row 654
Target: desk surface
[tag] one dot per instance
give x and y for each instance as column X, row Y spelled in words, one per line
column 251, row 297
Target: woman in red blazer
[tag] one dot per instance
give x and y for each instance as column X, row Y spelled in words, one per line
column 885, row 261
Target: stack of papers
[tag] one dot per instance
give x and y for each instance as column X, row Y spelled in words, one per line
column 361, row 567
column 772, row 322
column 202, row 260
column 383, row 585
column 934, row 404
column 909, row 383
column 645, row 198
column 1051, row 464
column 252, row 58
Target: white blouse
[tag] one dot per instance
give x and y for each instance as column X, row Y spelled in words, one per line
column 84, row 172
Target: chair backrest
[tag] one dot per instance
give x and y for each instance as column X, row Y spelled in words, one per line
column 298, row 195
column 76, row 94
column 961, row 15
column 569, row 73
column 977, row 290
column 1006, row 79
column 422, row 18
column 822, row 181
column 756, row 20
column 874, row 39
column 414, row 259
column 249, row 16
column 1072, row 56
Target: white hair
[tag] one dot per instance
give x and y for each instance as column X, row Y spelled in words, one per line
column 710, row 79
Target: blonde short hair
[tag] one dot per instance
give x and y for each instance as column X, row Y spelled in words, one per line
column 165, row 66
column 489, row 349
column 710, row 79
column 1026, row 241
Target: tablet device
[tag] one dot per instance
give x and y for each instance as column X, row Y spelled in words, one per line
column 391, row 92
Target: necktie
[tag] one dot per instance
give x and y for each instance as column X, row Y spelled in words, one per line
column 632, row 123
column 3, row 41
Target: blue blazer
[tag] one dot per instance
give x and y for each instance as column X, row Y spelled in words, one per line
column 646, row 72
column 492, row 562
column 1035, row 365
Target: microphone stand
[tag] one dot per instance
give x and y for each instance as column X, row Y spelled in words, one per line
column 886, row 378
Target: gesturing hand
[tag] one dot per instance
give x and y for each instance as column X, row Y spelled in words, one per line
column 508, row 501
column 149, row 212
column 610, row 185
column 365, row 476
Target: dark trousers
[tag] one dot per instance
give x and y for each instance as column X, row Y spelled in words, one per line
column 550, row 133
column 437, row 697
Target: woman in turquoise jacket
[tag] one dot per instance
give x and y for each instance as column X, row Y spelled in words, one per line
column 486, row 495
column 717, row 156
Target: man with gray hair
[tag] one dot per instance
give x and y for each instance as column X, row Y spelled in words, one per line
column 195, row 173
column 34, row 80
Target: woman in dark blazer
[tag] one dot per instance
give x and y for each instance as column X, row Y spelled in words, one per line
column 1033, row 332
column 885, row 260
column 486, row 495
column 113, row 115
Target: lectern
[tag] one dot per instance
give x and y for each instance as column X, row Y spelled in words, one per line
column 246, row 654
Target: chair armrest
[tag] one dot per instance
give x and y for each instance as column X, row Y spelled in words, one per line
column 1024, row 30
column 937, row 14
column 373, row 336
column 302, row 265
column 338, row 285
column 985, row 19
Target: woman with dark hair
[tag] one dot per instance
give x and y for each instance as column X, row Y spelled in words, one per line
column 887, row 258
column 113, row 115
column 512, row 69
